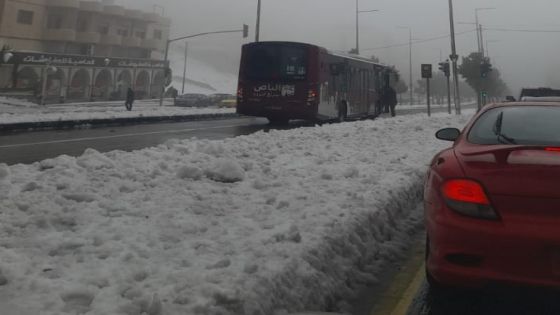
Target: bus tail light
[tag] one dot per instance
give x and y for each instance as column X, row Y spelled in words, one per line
column 468, row 198
column 312, row 95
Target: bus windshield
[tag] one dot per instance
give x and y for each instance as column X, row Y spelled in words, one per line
column 276, row 62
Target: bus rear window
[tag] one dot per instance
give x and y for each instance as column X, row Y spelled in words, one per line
column 276, row 62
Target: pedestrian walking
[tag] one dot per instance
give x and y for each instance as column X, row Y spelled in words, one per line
column 129, row 99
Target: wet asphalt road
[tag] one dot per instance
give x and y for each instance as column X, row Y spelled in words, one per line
column 495, row 301
column 29, row 147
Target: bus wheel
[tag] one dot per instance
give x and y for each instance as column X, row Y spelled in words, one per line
column 278, row 121
column 342, row 111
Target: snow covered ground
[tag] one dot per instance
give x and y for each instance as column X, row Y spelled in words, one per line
column 17, row 111
column 270, row 223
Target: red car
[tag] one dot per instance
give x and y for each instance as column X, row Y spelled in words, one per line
column 492, row 201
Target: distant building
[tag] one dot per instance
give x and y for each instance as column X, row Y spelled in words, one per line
column 87, row 50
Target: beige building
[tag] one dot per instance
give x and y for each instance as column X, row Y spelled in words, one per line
column 85, row 49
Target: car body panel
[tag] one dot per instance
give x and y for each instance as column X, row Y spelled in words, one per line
column 522, row 184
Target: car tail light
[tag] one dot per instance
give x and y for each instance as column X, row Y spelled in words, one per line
column 240, row 92
column 552, row 149
column 467, row 197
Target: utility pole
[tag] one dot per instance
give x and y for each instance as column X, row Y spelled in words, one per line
column 482, row 52
column 258, row 29
column 358, row 12
column 185, row 67
column 454, row 58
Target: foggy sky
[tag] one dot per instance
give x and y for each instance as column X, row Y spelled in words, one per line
column 525, row 59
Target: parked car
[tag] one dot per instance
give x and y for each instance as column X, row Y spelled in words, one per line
column 492, row 202
column 230, row 102
column 192, row 100
column 218, row 97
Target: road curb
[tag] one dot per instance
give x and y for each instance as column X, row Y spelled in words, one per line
column 76, row 124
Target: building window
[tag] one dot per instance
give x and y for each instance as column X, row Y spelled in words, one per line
column 123, row 33
column 104, row 30
column 141, row 35
column 82, row 25
column 158, row 34
column 54, row 22
column 25, row 17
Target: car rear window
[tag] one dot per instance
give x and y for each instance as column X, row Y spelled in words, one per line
column 524, row 125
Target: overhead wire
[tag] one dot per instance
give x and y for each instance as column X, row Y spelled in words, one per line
column 519, row 30
column 420, row 41
column 496, row 29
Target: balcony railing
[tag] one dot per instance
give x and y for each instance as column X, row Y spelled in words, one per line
column 153, row 44
column 65, row 35
column 113, row 40
column 114, row 10
column 88, row 37
column 73, row 4
column 131, row 41
column 91, row 6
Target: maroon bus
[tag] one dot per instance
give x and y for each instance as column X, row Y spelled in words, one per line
column 287, row 80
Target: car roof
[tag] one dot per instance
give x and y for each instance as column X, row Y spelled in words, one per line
column 525, row 103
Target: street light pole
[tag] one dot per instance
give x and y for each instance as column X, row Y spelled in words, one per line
column 169, row 41
column 411, row 84
column 410, row 63
column 185, row 67
column 258, row 28
column 357, row 27
column 454, row 59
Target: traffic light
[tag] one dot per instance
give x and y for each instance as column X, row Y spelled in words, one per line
column 445, row 68
column 485, row 69
column 245, row 30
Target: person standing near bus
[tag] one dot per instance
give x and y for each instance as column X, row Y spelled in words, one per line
column 129, row 99
column 390, row 100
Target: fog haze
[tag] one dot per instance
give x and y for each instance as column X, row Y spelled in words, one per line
column 525, row 59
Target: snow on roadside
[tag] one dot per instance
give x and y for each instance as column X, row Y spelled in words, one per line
column 262, row 224
column 17, row 113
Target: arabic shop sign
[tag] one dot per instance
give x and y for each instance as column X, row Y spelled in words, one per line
column 83, row 61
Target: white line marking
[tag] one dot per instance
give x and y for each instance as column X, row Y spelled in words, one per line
column 115, row 136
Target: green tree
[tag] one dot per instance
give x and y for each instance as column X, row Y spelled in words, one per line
column 470, row 71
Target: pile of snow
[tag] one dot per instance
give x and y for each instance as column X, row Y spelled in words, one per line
column 270, row 223
column 12, row 111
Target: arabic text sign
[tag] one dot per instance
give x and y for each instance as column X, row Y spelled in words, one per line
column 84, row 61
column 274, row 90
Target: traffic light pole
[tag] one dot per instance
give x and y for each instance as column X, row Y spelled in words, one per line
column 448, row 95
column 169, row 41
column 429, row 100
column 454, row 59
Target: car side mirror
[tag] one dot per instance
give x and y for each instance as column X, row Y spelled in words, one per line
column 448, row 134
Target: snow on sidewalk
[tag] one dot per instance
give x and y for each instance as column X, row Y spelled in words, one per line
column 16, row 111
column 269, row 223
